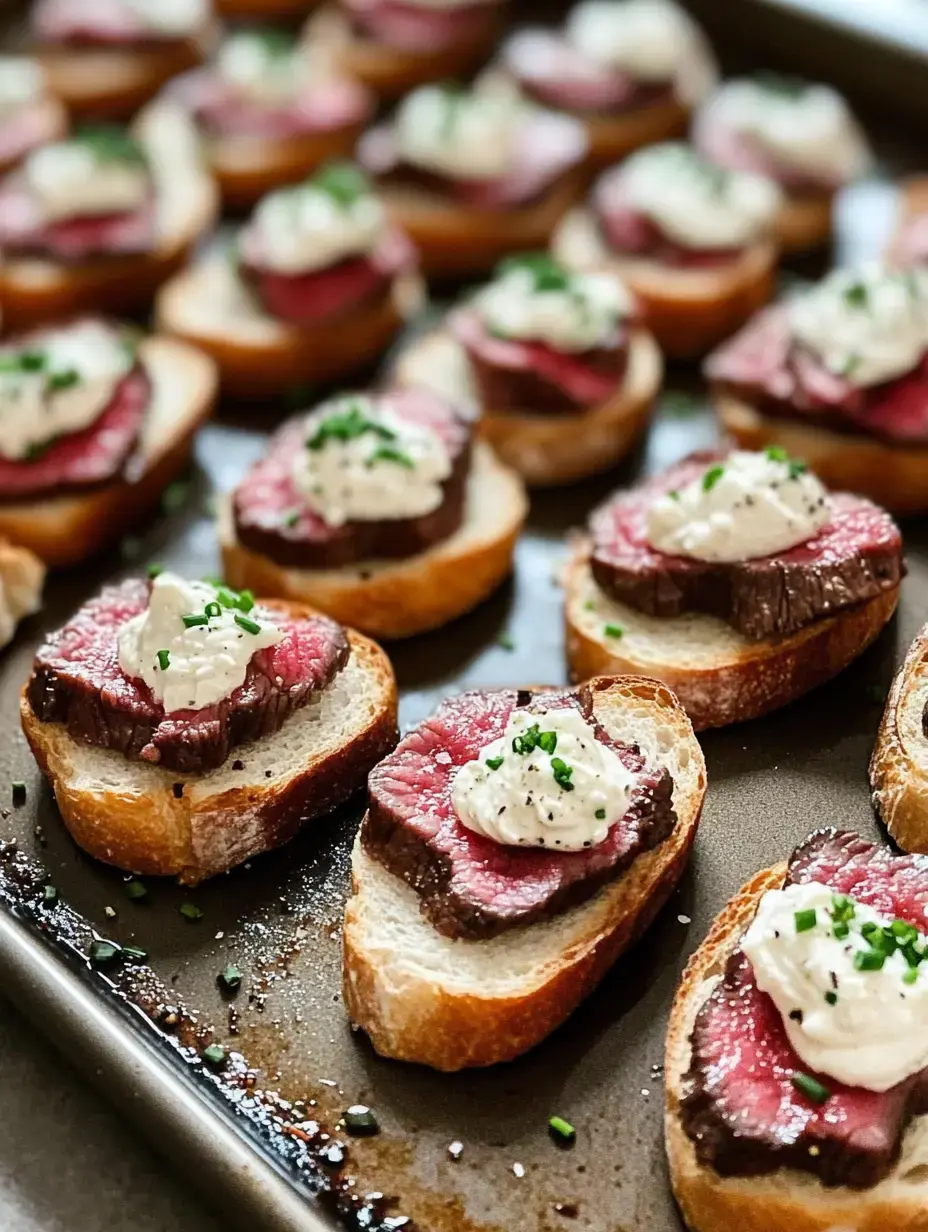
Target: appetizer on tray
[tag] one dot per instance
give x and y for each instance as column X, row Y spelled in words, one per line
column 737, row 579
column 96, row 223
column 631, row 70
column 271, row 110
column 95, row 420
column 563, row 371
column 473, row 174
column 105, row 58
column 838, row 375
column 317, row 284
column 801, row 135
column 797, row 1049
column 909, row 244
column 515, row 844
column 185, row 727
column 378, row 509
column 693, row 241
column 22, row 576
column 899, row 765
column 30, row 115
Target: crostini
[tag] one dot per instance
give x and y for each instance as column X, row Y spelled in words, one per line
column 838, row 375
column 516, row 843
column 394, row 46
column 98, row 222
column 899, row 765
column 631, row 70
column 22, row 576
column 108, row 58
column 475, row 174
column 378, row 510
column 801, row 135
column 95, row 421
column 796, row 1050
column 185, row 727
column 693, row 241
column 271, row 110
column 737, row 579
column 561, row 370
column 317, row 284
column 30, row 115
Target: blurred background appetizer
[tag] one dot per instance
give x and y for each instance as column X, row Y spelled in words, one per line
column 801, row 135
column 474, row 173
column 909, row 244
column 378, row 509
column 290, row 12
column 316, row 284
column 105, row 58
column 631, row 70
column 558, row 363
column 838, row 375
column 95, row 420
column 271, row 108
column 693, row 241
column 30, row 115
column 899, row 763
column 22, row 576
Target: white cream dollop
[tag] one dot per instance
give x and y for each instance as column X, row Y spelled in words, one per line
column 545, row 782
column 867, row 325
column 865, row 1028
column 21, row 82
column 189, row 668
column 463, row 134
column 362, row 462
column 746, row 506
column 652, row 41
column 68, row 179
column 692, row 201
column 58, row 385
column 541, row 302
column 263, row 67
column 170, row 18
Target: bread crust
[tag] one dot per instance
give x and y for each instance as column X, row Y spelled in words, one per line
column 739, row 680
column 803, row 223
column 394, row 599
column 22, row 576
column 412, row 1017
column 894, row 476
column 614, row 136
column 196, row 833
column 63, row 530
column 899, row 764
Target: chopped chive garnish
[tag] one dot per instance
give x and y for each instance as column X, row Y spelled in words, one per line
column 213, row 610
column 613, row 630
column 195, row 619
column 164, row 659
column 590, row 605
column 135, row 890
column 505, row 641
column 291, row 518
column 246, row 600
column 102, row 953
column 910, row 976
column 246, row 623
column 562, row 773
column 63, row 380
column 810, row 1087
column 674, row 494
column 230, row 980
column 776, row 453
column 711, row 477
column 869, row 960
column 214, row 1055
column 190, row 911
column 547, row 742
column 19, row 792
column 386, row 453
column 174, row 496
column 805, row 920
column 135, row 952
column 494, row 762
column 600, row 814
column 831, row 998
column 49, row 894
column 841, row 930
column 155, row 571
column 561, row 1131
column 528, row 741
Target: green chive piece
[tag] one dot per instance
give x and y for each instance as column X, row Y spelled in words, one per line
column 291, row 518
column 214, row 1056
column 674, row 494
column 600, row 814
column 562, row 1131
column 805, row 920
column 831, row 998
column 360, row 1121
column 246, row 600
column 164, row 659
column 175, row 495
column 135, row 952
column 590, row 605
column 810, row 1087
column 49, row 895
column 19, row 792
column 797, row 468
column 841, row 930
column 190, row 911
column 103, row 953
column 244, row 622
column 494, row 762
column 547, row 742
column 869, row 960
column 135, row 890
column 562, row 773
column 910, row 976
column 613, row 631
column 904, row 932
column 213, row 610
column 155, row 571
column 711, row 477
column 776, row 453
column 32, row 361
column 230, row 980
column 505, row 641
column 528, row 741
column 385, row 453
column 344, row 182
column 63, row 380
column 195, row 619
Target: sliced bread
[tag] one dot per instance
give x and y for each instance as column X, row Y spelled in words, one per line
column 899, row 765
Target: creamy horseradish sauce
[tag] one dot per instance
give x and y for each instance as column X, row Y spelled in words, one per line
column 462, row 134
column 848, row 982
column 744, row 507
column 325, row 219
column 170, row 18
column 695, row 203
column 100, row 171
column 805, row 128
column 364, row 463
column 534, row 299
column 58, row 384
column 268, row 66
column 546, row 782
column 867, row 325
column 193, row 643
column 21, row 82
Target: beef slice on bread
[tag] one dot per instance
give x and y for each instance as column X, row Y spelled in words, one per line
column 899, row 763
column 461, row 950
column 756, row 1138
column 378, row 510
column 168, row 761
column 735, row 637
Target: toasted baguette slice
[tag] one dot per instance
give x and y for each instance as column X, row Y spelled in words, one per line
column 34, row 291
column 899, row 765
column 719, row 675
column 688, row 310
column 398, row 598
column 65, row 529
column 22, row 576
column 786, row 1200
column 158, row 822
column 612, row 137
column 894, row 476
column 545, row 449
column 803, row 223
column 452, row 1004
column 260, row 357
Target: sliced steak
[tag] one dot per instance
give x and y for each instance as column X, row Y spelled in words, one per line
column 97, row 455
column 532, row 378
column 424, row 29
column 76, row 680
column 856, row 557
column 740, row 1107
column 764, row 366
column 471, row 886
